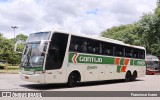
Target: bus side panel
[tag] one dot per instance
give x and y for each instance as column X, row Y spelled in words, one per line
column 90, row 72
column 141, row 70
column 95, row 72
column 104, row 72
column 76, row 67
column 55, row 76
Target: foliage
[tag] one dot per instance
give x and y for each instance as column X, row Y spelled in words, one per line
column 157, row 10
column 6, row 49
column 148, row 28
column 19, row 37
column 125, row 33
column 145, row 32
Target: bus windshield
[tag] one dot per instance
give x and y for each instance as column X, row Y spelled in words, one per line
column 152, row 64
column 38, row 36
column 32, row 57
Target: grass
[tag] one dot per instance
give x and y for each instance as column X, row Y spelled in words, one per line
column 13, row 67
column 10, row 70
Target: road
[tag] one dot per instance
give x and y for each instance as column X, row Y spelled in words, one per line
column 12, row 82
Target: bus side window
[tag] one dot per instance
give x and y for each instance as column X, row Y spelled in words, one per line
column 119, row 51
column 142, row 54
column 76, row 44
column 93, row 47
column 72, row 47
column 107, row 49
column 128, row 52
column 75, row 47
column 135, row 53
column 79, row 48
column 84, row 47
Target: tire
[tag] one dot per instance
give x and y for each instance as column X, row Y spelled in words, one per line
column 128, row 77
column 72, row 80
column 134, row 76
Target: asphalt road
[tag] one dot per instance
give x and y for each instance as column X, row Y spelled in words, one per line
column 12, row 82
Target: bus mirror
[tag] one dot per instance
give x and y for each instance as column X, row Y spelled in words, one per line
column 42, row 45
column 15, row 46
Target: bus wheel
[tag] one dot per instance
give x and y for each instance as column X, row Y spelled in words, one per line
column 128, row 77
column 134, row 76
column 72, row 80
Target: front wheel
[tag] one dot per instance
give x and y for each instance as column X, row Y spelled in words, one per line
column 72, row 80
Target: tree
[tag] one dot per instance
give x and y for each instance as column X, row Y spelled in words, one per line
column 21, row 37
column 148, row 28
column 14, row 58
column 125, row 33
column 6, row 49
column 145, row 32
column 157, row 10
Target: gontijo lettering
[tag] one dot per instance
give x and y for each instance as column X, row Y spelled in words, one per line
column 140, row 63
column 90, row 59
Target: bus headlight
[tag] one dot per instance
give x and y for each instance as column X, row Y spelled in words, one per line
column 38, row 72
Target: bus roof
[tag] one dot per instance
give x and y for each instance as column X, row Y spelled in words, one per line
column 152, row 57
column 102, row 39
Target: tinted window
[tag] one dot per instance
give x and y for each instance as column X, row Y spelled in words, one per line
column 141, row 54
column 119, row 50
column 128, row 52
column 85, row 45
column 56, row 51
column 137, row 53
column 93, row 46
column 76, row 44
column 107, row 49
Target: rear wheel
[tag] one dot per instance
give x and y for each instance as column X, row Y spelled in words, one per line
column 128, row 77
column 134, row 76
column 72, row 80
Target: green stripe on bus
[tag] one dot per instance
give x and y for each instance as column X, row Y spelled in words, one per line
column 33, row 69
column 95, row 59
column 131, row 62
column 122, row 61
column 70, row 57
column 139, row 62
column 118, row 69
column 82, row 58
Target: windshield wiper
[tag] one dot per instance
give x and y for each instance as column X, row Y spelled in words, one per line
column 26, row 57
column 29, row 62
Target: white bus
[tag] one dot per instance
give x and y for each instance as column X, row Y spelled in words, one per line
column 57, row 57
column 152, row 64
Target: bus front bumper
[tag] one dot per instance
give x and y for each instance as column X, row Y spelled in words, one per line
column 35, row 78
column 152, row 72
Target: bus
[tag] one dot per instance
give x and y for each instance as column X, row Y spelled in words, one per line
column 59, row 57
column 153, row 65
